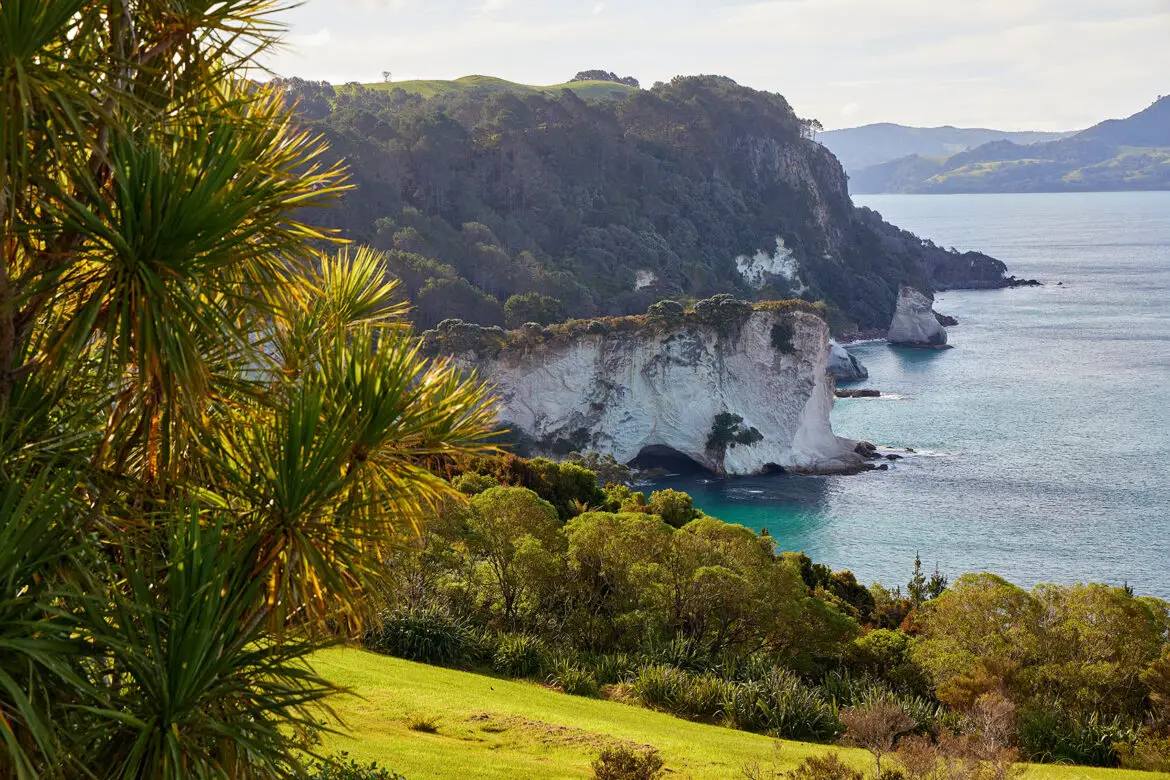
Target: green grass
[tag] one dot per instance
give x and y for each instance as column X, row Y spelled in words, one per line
column 493, row 728
column 586, row 90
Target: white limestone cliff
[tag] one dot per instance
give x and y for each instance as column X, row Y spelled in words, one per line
column 844, row 365
column 620, row 391
column 914, row 323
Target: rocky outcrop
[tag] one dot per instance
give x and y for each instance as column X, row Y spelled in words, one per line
column 844, row 366
column 914, row 323
column 738, row 397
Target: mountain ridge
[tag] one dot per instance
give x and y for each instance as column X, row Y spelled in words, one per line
column 1117, row 154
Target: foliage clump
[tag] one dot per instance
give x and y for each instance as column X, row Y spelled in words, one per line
column 667, row 313
column 623, row 762
column 727, row 431
column 781, row 336
column 725, row 313
column 456, row 336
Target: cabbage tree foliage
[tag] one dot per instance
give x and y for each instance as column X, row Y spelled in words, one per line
column 210, row 430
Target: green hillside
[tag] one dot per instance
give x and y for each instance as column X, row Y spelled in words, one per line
column 493, row 728
column 427, row 88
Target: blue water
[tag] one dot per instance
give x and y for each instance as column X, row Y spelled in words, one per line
column 1045, row 432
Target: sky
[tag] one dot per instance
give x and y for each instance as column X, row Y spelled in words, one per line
column 1005, row 64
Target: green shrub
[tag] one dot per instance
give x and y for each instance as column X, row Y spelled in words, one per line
column 596, row 328
column 472, row 484
column 782, row 333
column 727, row 431
column 783, row 706
column 612, row 668
column 660, row 687
column 519, row 655
column 431, row 636
column 626, row 763
column 674, row 507
column 342, row 767
column 669, row 313
column 723, row 312
column 1050, row 734
column 826, row 767
column 573, row 679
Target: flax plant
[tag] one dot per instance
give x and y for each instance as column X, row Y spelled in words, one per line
column 213, row 422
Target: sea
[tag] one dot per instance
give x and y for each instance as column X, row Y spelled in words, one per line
column 1042, row 439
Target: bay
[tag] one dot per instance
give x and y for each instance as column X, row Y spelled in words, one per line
column 1043, row 436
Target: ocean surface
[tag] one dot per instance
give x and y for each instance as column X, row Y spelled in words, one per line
column 1044, row 435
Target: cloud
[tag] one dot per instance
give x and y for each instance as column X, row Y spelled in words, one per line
column 849, row 109
column 599, row 9
column 312, row 40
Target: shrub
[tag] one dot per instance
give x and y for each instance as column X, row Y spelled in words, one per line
column 1148, row 753
column 667, row 313
column 424, row 723
column 660, row 687
column 724, row 313
column 1049, row 734
column 342, row 767
column 826, row 767
column 781, row 705
column 612, row 668
column 876, row 726
column 573, row 679
column 431, row 636
column 596, row 328
column 626, row 763
column 674, row 507
column 782, row 333
column 471, row 484
column 519, row 655
column 727, row 431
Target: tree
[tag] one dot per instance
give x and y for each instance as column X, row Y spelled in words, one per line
column 674, row 507
column 210, row 429
column 917, row 588
column 387, row 76
column 514, row 531
column 876, row 726
column 533, row 307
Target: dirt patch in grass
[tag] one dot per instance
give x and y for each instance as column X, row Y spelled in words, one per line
column 547, row 733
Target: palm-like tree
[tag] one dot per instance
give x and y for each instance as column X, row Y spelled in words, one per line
column 209, row 430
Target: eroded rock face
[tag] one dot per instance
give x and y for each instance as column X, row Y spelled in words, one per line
column 663, row 386
column 914, row 323
column 844, row 366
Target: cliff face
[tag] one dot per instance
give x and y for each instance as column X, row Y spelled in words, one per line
column 733, row 402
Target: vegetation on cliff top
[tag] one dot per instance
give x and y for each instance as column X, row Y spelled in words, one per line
column 721, row 313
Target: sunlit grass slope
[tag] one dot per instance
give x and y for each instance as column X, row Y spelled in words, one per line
column 492, row 728
column 587, row 90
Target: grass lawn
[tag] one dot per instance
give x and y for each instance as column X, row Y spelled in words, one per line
column 493, row 728
column 586, row 90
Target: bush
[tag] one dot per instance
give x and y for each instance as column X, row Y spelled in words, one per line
column 782, row 333
column 519, row 655
column 573, row 679
column 596, row 328
column 471, row 484
column 724, row 313
column 660, row 687
column 1050, row 734
column 667, row 313
column 423, row 723
column 625, row 763
column 431, row 636
column 342, row 767
column 781, row 705
column 826, row 767
column 674, row 507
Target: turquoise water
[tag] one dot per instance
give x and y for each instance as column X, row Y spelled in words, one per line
column 1045, row 433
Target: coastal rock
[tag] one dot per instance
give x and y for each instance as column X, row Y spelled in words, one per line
column 946, row 320
column 660, row 387
column 864, row 392
column 844, row 366
column 914, row 323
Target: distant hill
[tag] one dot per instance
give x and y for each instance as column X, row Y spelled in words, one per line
column 860, row 147
column 427, row 88
column 1118, row 154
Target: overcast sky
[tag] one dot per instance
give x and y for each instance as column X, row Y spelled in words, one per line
column 1007, row 64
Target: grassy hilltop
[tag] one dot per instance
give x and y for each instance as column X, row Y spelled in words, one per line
column 493, row 728
column 428, row 88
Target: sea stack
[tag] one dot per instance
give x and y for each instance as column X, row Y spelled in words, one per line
column 914, row 322
column 844, row 366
